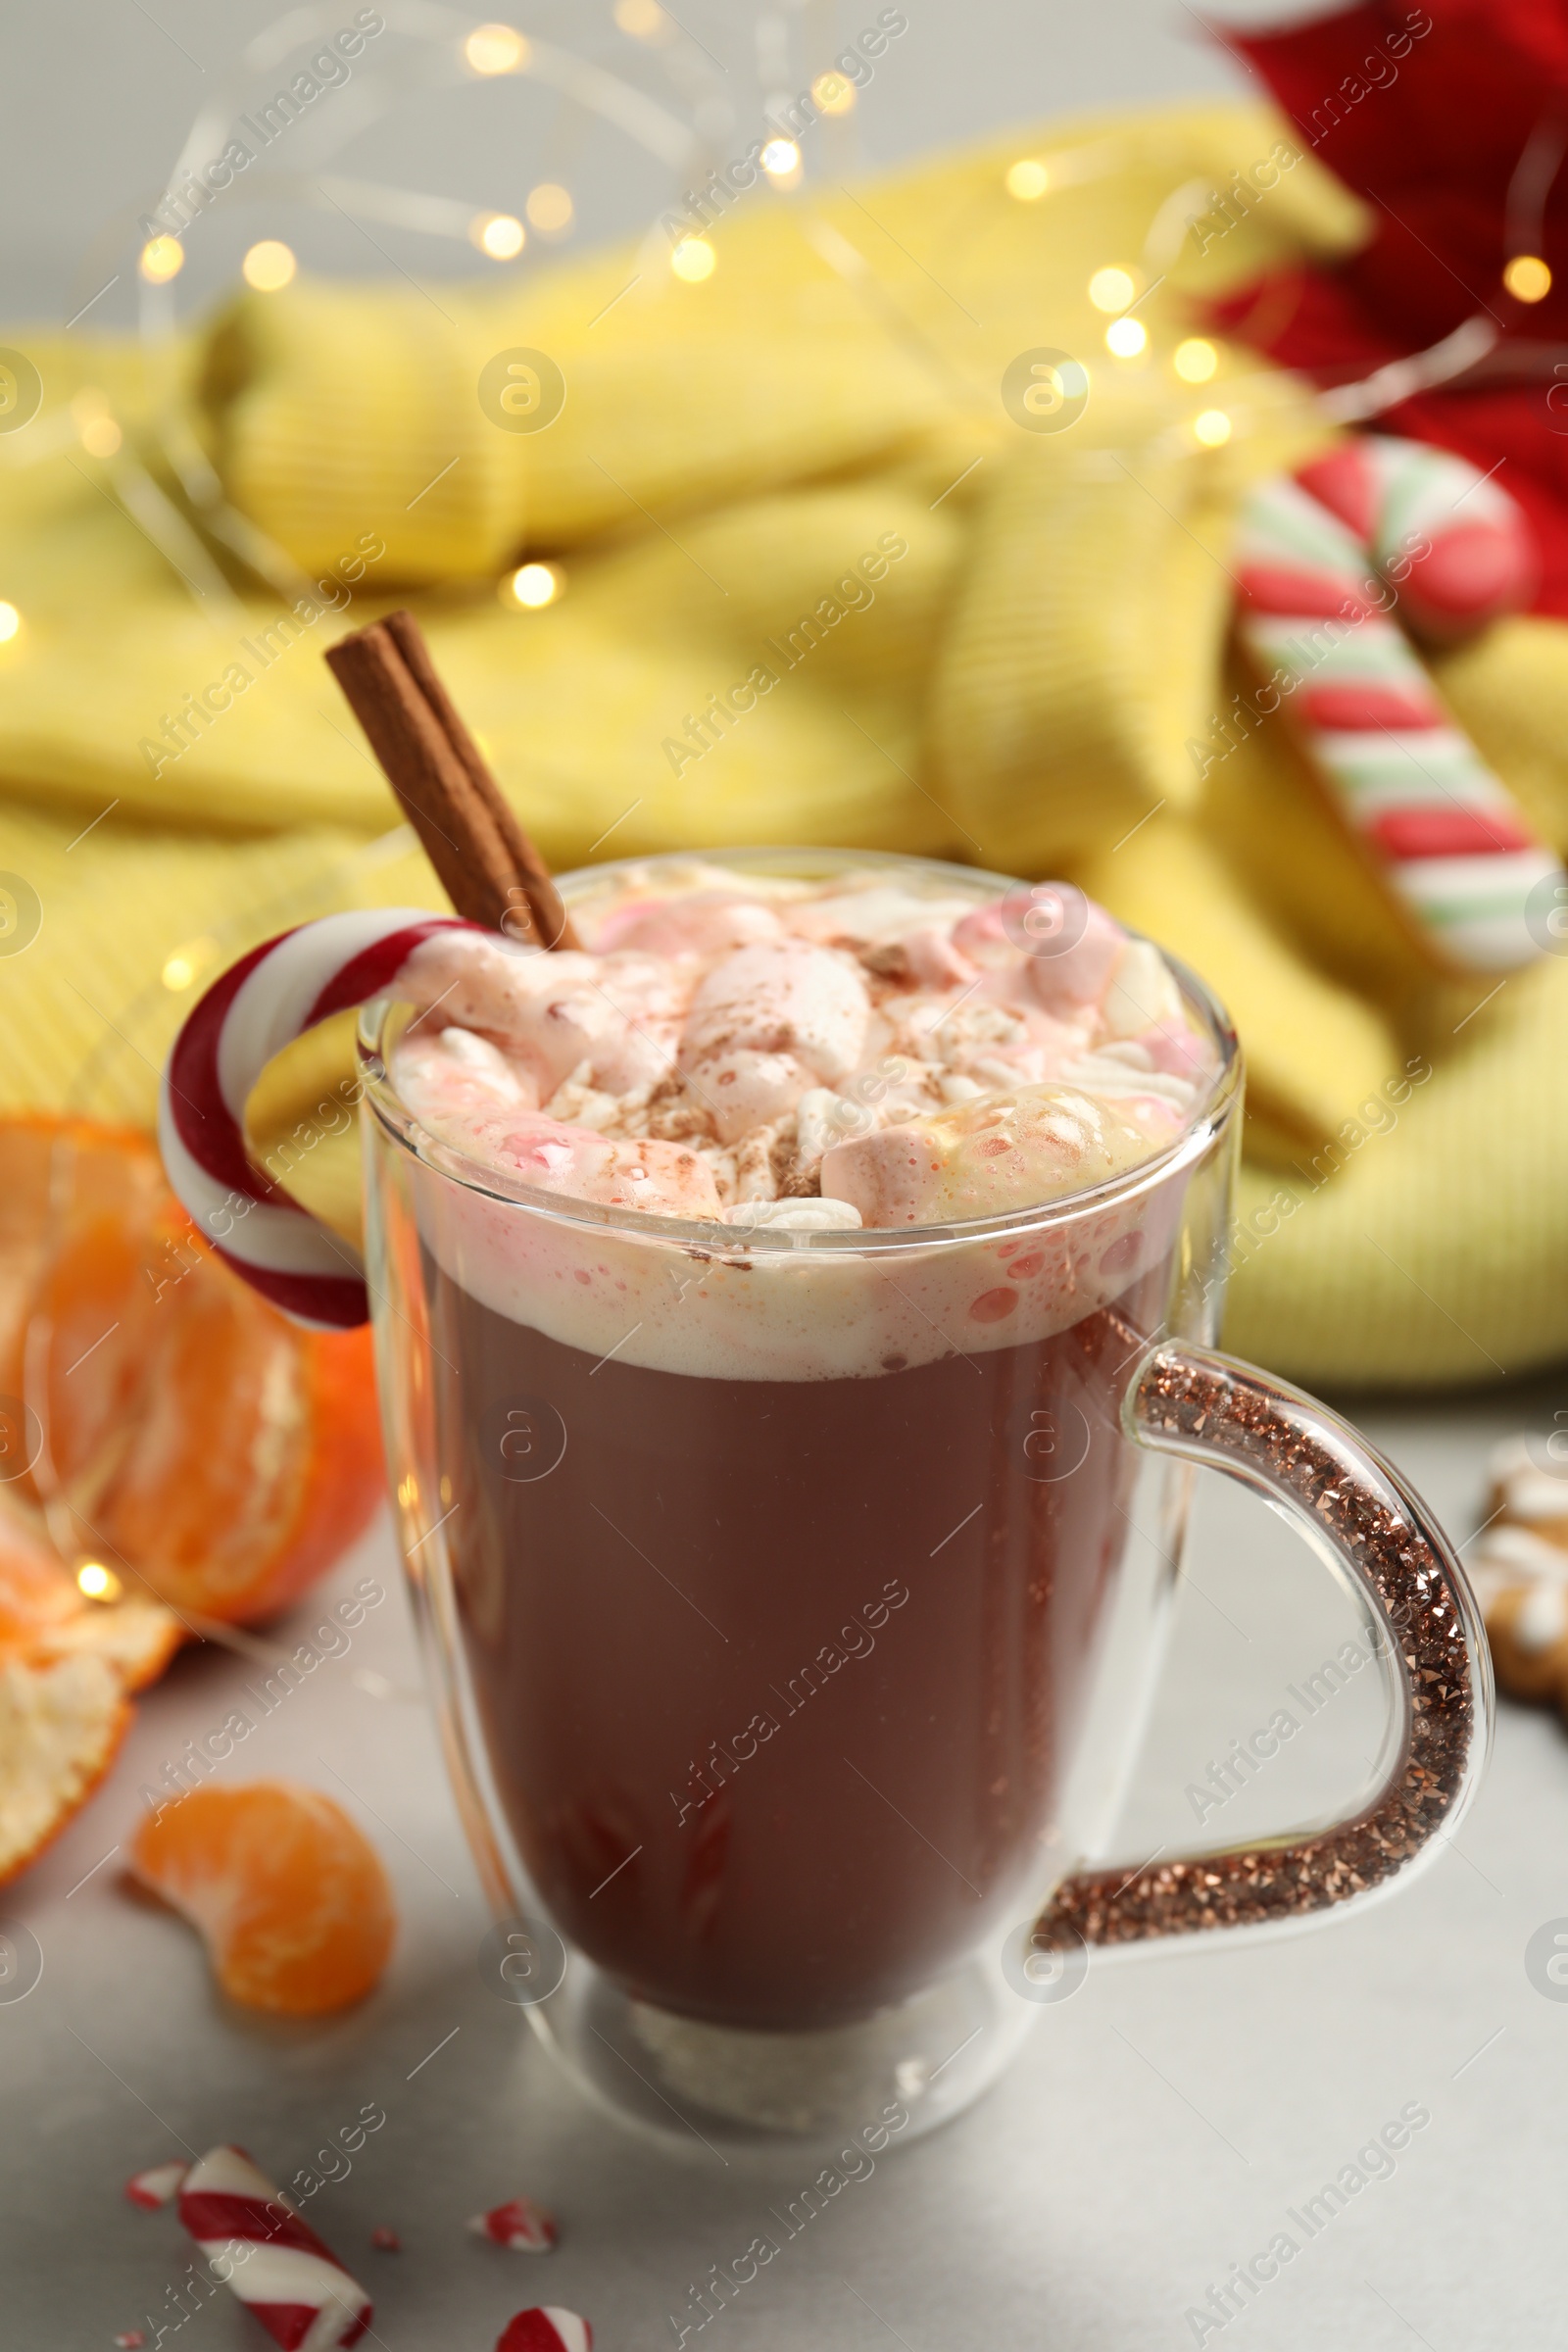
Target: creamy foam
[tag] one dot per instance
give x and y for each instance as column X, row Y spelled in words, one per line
column 781, row 1062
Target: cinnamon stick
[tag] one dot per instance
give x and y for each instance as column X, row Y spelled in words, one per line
column 486, row 861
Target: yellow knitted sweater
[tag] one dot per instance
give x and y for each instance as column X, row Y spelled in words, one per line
column 1039, row 682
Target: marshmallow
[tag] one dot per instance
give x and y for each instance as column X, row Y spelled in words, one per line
column 707, row 922
column 876, row 914
column 981, row 1159
column 457, row 1069
column 805, row 1216
column 767, row 1024
column 1076, row 974
column 663, row 1180
column 718, row 1046
column 1143, row 993
column 555, row 1012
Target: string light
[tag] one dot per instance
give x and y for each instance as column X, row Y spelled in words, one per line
column 644, row 20
column 268, row 266
column 162, row 257
column 100, row 435
column 97, row 1582
column 833, row 93
column 501, row 235
column 694, row 259
column 550, row 208
column 496, row 49
column 1195, row 360
column 1126, row 338
column 1212, row 428
column 10, row 622
column 781, row 159
column 1027, row 181
column 677, row 128
column 1113, row 289
column 532, row 586
column 1528, row 278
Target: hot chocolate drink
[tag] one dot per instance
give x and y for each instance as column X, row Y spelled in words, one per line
column 778, row 1677
column 780, row 1534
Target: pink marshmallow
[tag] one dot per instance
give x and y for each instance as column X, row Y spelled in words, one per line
column 1068, row 945
column 663, row 1180
column 1179, row 1053
column 710, row 922
column 934, row 961
column 1079, row 974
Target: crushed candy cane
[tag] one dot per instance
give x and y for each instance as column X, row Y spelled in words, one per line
column 157, row 2185
column 521, row 2224
column 545, row 2327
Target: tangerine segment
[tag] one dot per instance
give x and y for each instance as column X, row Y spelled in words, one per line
column 258, row 1452
column 56, row 1177
column 289, row 1896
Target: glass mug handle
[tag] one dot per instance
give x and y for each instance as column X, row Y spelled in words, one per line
column 1209, row 1408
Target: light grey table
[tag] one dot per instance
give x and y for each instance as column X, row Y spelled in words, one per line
column 1157, row 2129
column 1161, row 2124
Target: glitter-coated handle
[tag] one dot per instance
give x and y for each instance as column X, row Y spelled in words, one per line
column 1209, row 1408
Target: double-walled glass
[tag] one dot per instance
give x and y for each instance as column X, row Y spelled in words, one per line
column 794, row 1597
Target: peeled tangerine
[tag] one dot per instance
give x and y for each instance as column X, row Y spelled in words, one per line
column 192, row 1435
column 290, row 1898
column 66, row 1667
column 985, row 1157
column 166, row 1438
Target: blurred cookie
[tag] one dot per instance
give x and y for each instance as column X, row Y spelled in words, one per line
column 1520, row 1569
column 1530, row 1485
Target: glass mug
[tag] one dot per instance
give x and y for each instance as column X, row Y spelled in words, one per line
column 789, row 1691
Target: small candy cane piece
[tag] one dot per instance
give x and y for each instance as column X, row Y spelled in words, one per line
column 159, row 2184
column 1449, row 839
column 545, row 2327
column 270, row 996
column 258, row 2245
column 521, row 2224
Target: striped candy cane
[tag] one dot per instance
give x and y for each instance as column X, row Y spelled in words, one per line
column 545, row 2327
column 258, row 2246
column 1314, row 553
column 270, row 996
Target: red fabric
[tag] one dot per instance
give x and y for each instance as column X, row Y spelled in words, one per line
column 1432, row 134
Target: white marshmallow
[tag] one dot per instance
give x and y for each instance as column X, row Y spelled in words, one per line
column 980, row 1159
column 1143, row 993
column 793, row 1216
column 769, row 1023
